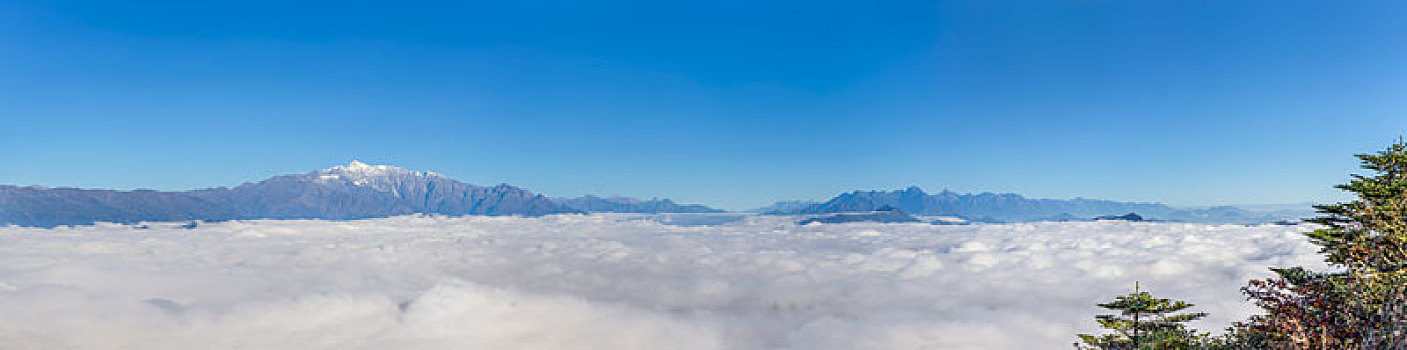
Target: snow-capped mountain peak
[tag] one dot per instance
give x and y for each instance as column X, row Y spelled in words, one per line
column 356, row 164
column 385, row 178
column 359, row 172
column 368, row 170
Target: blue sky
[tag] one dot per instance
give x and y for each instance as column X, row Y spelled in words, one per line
column 729, row 103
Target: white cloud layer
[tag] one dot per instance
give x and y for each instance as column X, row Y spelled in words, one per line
column 600, row 282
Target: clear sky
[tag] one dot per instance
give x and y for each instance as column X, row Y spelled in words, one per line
column 728, row 103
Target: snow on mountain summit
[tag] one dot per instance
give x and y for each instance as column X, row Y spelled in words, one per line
column 357, row 169
column 380, row 177
column 429, row 192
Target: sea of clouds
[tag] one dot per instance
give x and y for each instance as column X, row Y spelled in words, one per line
column 610, row 282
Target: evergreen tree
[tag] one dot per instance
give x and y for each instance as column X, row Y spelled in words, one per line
column 1144, row 322
column 1369, row 233
column 1362, row 302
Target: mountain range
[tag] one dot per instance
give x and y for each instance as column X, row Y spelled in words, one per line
column 618, row 204
column 1010, row 207
column 352, row 191
column 784, row 207
column 359, row 190
column 885, row 214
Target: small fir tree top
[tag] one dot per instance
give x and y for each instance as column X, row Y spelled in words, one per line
column 1143, row 322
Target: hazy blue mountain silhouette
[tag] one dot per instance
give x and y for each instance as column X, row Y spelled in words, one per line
column 783, row 207
column 359, row 190
column 1009, row 207
column 350, row 191
column 596, row 204
column 1125, row 217
column 884, row 214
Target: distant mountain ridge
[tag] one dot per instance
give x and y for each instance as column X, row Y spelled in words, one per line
column 784, row 206
column 884, row 214
column 352, row 191
column 1010, row 207
column 596, row 204
column 358, row 190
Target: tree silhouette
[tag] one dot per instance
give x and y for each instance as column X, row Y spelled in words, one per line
column 1362, row 302
column 1144, row 322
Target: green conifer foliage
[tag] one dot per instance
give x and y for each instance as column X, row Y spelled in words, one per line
column 1370, row 232
column 1362, row 302
column 1144, row 322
